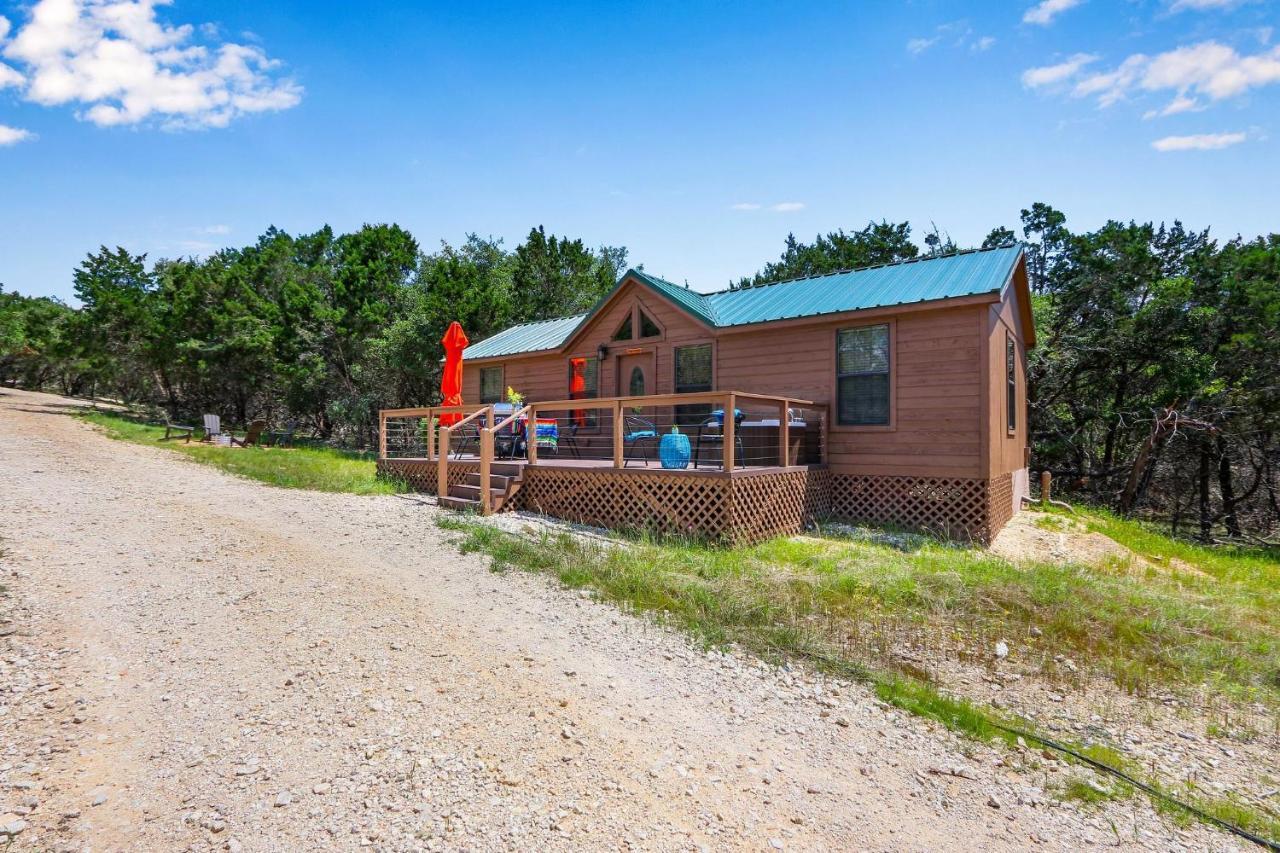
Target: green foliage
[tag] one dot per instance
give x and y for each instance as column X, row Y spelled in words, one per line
column 320, row 329
column 322, row 469
column 878, row 243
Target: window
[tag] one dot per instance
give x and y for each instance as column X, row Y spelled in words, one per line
column 862, row 375
column 624, row 331
column 1011, row 381
column 693, row 374
column 491, row 385
column 648, row 328
column 693, row 369
column 584, row 384
column 637, row 382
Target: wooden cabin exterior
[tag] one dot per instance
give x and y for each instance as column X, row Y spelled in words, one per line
column 919, row 369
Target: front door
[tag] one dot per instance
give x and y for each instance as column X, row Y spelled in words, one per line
column 635, row 375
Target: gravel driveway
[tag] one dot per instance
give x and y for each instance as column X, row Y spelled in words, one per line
column 193, row 661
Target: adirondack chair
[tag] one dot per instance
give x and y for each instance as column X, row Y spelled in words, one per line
column 212, row 427
column 172, row 430
column 252, row 436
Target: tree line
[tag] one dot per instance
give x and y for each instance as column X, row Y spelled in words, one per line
column 1155, row 387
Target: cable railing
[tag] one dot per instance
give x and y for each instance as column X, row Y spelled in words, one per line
column 722, row 431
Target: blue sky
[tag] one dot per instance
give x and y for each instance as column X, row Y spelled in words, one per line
column 696, row 134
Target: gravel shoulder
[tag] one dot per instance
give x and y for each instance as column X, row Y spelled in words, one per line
column 193, row 661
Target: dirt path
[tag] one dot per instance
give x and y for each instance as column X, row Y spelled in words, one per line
column 220, row 664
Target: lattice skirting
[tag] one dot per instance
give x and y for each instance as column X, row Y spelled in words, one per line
column 965, row 509
column 421, row 473
column 746, row 508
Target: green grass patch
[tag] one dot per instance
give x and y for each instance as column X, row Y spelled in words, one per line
column 836, row 602
column 322, row 469
column 856, row 598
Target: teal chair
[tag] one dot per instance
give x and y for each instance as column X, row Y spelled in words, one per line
column 637, row 432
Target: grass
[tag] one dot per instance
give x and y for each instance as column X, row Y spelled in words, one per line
column 320, row 468
column 852, row 604
column 1214, row 625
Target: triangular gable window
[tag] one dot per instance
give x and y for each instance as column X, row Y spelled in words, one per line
column 648, row 328
column 624, row 331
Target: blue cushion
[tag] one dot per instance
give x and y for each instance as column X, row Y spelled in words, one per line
column 644, row 433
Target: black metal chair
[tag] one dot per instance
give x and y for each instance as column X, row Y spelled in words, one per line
column 638, row 431
column 711, row 431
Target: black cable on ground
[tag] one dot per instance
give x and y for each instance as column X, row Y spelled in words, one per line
column 863, row 674
column 1137, row 783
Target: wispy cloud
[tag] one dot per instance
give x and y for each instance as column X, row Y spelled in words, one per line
column 1206, row 71
column 1051, row 75
column 217, row 229
column 14, row 135
column 984, row 43
column 917, row 46
column 123, row 66
column 1044, row 12
column 779, row 207
column 1202, row 5
column 1199, row 142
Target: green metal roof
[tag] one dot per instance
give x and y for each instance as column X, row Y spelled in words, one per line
column 921, row 280
column 527, row 337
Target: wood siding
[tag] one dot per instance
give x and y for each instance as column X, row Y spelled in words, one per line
column 1006, row 451
column 935, row 389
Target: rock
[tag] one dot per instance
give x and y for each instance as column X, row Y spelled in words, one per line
column 775, row 843
column 994, row 802
column 11, row 827
column 842, row 722
column 98, row 799
column 283, row 799
column 321, row 788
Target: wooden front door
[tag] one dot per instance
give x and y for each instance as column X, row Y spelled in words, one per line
column 635, row 375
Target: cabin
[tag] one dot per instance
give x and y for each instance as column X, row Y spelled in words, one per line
column 893, row 394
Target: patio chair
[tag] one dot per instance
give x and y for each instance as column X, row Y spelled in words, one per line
column 638, row 431
column 172, row 430
column 252, row 436
column 212, row 427
column 711, row 431
column 282, row 437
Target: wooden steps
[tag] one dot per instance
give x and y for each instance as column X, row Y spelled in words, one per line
column 504, row 482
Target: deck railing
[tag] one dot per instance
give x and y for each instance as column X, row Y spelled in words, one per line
column 618, row 431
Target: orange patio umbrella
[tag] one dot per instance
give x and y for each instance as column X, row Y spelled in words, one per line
column 455, row 341
column 577, row 386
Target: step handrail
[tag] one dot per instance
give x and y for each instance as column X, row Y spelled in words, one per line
column 486, row 455
column 442, row 453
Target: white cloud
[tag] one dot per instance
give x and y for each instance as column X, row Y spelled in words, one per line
column 915, row 47
column 124, row 67
column 788, row 206
column 4, row 27
column 1044, row 12
column 1202, row 5
column 14, row 135
column 217, row 229
column 745, row 205
column 1049, row 75
column 1198, row 142
column 1206, row 70
column 10, row 77
column 984, row 43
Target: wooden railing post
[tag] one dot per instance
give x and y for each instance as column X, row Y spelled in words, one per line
column 431, row 433
column 618, row 428
column 442, row 475
column 531, row 436
column 784, row 433
column 486, row 465
column 730, row 410
column 382, row 435
column 1046, row 486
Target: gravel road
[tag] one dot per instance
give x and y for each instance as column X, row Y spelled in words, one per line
column 190, row 661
